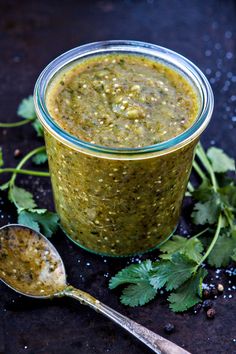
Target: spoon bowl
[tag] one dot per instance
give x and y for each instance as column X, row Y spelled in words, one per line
column 30, row 265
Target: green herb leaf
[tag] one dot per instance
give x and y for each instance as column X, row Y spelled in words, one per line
column 40, row 158
column 132, row 274
column 172, row 273
column 1, row 158
column 191, row 248
column 222, row 253
column 21, row 198
column 41, row 219
column 228, row 195
column 138, row 294
column 26, row 108
column 47, row 220
column 189, row 293
column 204, row 192
column 220, row 161
column 25, row 218
column 206, row 213
column 38, row 127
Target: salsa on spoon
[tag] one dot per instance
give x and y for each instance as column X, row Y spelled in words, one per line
column 30, row 265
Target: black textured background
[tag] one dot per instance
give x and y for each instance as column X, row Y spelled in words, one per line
column 32, row 33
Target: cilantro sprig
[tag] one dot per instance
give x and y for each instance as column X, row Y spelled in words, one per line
column 180, row 268
column 28, row 212
column 215, row 200
column 27, row 112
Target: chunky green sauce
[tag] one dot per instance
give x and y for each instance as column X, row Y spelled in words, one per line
column 120, row 206
column 28, row 264
column 123, row 101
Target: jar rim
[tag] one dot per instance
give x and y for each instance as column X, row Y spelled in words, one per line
column 167, row 56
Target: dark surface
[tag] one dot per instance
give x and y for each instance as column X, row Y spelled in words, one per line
column 31, row 35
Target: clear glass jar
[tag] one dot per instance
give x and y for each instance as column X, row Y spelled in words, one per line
column 120, row 201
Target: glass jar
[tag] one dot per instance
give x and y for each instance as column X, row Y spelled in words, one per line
column 120, row 201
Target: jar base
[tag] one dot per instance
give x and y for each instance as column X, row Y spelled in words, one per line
column 120, row 256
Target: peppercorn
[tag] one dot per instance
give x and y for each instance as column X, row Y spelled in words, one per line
column 207, row 304
column 206, row 294
column 211, row 313
column 17, row 153
column 169, row 328
column 220, row 288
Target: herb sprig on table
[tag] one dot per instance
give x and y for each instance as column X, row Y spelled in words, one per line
column 180, row 269
column 28, row 212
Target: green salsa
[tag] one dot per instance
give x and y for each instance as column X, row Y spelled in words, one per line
column 28, row 263
column 122, row 101
column 114, row 205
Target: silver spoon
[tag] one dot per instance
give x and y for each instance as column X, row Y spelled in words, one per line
column 30, row 265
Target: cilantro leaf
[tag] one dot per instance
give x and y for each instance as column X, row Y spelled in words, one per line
column 204, row 192
column 220, row 161
column 38, row 127
column 38, row 211
column 41, row 219
column 47, row 220
column 228, row 195
column 172, row 273
column 138, row 294
column 189, row 293
column 132, row 274
column 223, row 250
column 21, row 198
column 40, row 158
column 1, row 158
column 191, row 248
column 25, row 218
column 207, row 212
column 26, row 108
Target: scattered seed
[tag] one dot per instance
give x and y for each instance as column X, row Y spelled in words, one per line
column 220, row 288
column 17, row 153
column 211, row 313
column 169, row 328
column 206, row 294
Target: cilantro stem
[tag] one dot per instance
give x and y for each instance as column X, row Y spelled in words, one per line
column 25, row 172
column 16, row 124
column 190, row 187
column 213, row 242
column 23, row 161
column 229, row 218
column 199, row 171
column 200, row 152
column 200, row 233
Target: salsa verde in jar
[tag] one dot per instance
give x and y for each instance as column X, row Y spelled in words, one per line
column 121, row 203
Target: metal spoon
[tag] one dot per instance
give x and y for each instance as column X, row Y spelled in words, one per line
column 30, row 265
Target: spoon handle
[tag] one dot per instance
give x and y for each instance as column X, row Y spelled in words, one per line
column 155, row 342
